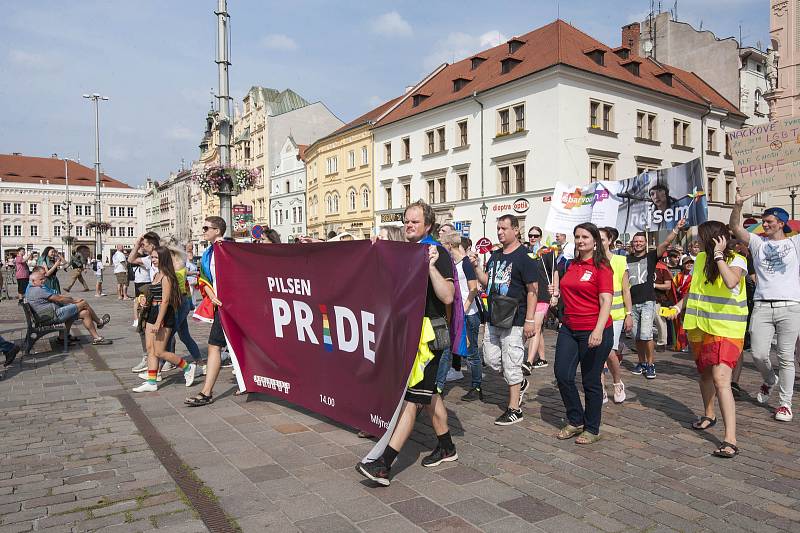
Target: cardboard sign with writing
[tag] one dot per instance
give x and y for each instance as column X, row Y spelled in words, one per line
column 767, row 156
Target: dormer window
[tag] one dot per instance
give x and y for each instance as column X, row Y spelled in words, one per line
column 632, row 66
column 459, row 83
column 514, row 45
column 623, row 52
column 666, row 77
column 476, row 61
column 507, row 64
column 418, row 99
column 597, row 55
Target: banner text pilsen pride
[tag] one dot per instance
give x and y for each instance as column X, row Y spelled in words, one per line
column 350, row 332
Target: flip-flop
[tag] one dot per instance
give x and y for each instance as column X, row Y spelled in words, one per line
column 720, row 452
column 697, row 424
column 105, row 319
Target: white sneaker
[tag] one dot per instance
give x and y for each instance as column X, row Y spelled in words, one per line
column 605, row 396
column 167, row 366
column 454, row 375
column 189, row 374
column 141, row 366
column 619, row 392
column 764, row 392
column 135, row 324
column 201, row 370
column 146, row 387
column 143, row 375
column 783, row 413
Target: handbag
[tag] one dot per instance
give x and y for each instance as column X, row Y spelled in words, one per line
column 441, row 331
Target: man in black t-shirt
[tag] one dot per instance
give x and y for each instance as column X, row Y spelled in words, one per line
column 509, row 273
column 419, row 219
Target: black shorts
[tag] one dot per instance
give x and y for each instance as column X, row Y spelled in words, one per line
column 422, row 392
column 22, row 284
column 217, row 336
column 169, row 316
column 138, row 287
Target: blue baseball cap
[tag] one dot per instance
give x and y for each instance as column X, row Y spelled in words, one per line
column 781, row 214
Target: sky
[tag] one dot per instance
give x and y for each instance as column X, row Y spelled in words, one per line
column 155, row 61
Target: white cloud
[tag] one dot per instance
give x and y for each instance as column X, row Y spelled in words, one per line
column 374, row 101
column 29, row 59
column 181, row 133
column 457, row 45
column 278, row 41
column 392, row 23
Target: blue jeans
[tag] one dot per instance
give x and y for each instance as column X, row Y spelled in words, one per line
column 444, row 367
column 182, row 329
column 473, row 353
column 6, row 346
column 572, row 349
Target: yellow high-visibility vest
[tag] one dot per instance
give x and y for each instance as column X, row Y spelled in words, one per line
column 620, row 267
column 713, row 307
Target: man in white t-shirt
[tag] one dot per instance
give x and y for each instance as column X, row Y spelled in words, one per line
column 119, row 260
column 776, row 309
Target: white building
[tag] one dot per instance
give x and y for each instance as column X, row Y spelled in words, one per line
column 287, row 202
column 33, row 212
column 501, row 127
column 753, row 85
column 168, row 207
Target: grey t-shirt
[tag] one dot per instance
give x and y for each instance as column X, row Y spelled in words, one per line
column 37, row 297
column 777, row 265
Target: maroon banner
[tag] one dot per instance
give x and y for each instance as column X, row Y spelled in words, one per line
column 333, row 327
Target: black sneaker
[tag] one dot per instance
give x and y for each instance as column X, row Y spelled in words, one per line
column 439, row 456
column 473, row 394
column 511, row 416
column 12, row 354
column 526, row 368
column 377, row 471
column 522, row 390
column 540, row 363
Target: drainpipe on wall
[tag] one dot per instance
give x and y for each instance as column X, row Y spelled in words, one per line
column 703, row 147
column 475, row 97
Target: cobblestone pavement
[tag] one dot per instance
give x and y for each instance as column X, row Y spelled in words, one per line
column 72, row 458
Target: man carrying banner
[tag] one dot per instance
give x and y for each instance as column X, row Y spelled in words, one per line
column 776, row 303
column 419, row 219
column 511, row 280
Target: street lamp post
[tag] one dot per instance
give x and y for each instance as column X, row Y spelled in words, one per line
column 484, row 212
column 95, row 97
column 793, row 195
column 69, row 209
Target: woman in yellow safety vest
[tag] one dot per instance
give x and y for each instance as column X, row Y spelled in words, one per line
column 715, row 321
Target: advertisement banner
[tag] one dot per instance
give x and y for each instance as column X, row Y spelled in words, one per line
column 332, row 327
column 242, row 219
column 652, row 201
column 767, row 156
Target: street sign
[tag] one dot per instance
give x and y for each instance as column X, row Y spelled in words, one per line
column 257, row 231
column 484, row 245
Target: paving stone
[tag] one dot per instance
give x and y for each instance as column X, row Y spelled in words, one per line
column 419, row 510
column 477, row 511
column 530, row 509
column 451, row 524
column 265, row 473
column 461, row 475
column 331, row 523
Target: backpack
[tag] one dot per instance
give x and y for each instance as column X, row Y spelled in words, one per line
column 131, row 275
column 75, row 262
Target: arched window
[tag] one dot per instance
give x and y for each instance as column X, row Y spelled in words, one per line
column 757, row 101
column 351, row 199
column 335, row 202
column 329, row 203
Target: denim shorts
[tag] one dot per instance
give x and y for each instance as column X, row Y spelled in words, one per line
column 67, row 312
column 643, row 315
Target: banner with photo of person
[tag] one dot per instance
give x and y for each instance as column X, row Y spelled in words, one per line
column 332, row 327
column 652, row 201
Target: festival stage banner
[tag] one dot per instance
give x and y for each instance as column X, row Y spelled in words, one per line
column 652, row 201
column 332, row 327
column 767, row 156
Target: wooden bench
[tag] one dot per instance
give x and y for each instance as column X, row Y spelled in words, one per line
column 38, row 329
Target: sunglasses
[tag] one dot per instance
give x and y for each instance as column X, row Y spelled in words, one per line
column 532, row 235
column 206, row 228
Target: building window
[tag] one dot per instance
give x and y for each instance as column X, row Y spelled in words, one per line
column 462, row 179
column 33, row 209
column 504, row 180
column 113, row 210
column 113, row 231
column 17, row 230
column 462, row 133
column 442, row 190
column 711, row 140
column 406, row 148
column 79, row 231
column 365, row 198
column 431, row 192
column 6, row 231
column 351, row 159
column 56, row 208
column 502, row 119
column 712, row 181
column 431, row 144
column 646, row 125
column 727, row 147
column 601, row 170
column 407, row 191
column 364, row 155
column 519, row 116
column 601, row 115
column 729, row 191
column 79, row 210
column 680, row 133
column 7, row 209
column 34, row 231
column 387, row 153
column 17, row 208
column 440, row 135
column 336, row 202
column 519, row 177
column 351, row 199
column 388, row 191
column 56, row 231
column 332, row 165
column 300, row 214
column 87, row 210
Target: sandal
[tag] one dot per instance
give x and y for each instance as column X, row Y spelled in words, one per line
column 587, row 438
column 199, row 400
column 105, row 319
column 569, row 431
column 721, row 452
column 697, row 425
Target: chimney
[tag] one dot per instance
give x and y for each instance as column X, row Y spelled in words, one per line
column 630, row 37
column 54, row 156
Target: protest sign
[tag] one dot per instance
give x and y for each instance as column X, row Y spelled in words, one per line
column 332, row 327
column 652, row 201
column 767, row 156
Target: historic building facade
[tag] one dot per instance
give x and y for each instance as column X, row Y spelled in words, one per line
column 288, row 192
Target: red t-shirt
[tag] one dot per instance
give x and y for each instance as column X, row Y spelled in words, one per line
column 580, row 290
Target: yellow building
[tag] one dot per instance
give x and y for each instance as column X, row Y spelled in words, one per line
column 339, row 176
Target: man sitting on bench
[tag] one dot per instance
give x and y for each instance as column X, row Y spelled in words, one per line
column 52, row 308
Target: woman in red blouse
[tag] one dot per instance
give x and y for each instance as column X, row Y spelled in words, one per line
column 586, row 334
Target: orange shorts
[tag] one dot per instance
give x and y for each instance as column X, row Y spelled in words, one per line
column 710, row 350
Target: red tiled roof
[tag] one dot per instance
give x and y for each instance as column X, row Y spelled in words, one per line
column 301, row 151
column 36, row 170
column 557, row 43
column 368, row 116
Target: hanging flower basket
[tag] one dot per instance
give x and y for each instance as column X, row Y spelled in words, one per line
column 68, row 240
column 102, row 227
column 210, row 179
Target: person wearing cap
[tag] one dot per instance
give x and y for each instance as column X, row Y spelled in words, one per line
column 776, row 302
